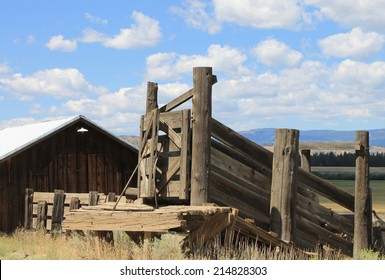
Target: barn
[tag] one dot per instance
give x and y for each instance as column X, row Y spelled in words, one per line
column 73, row 154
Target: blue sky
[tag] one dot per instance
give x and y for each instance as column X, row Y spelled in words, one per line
column 306, row 64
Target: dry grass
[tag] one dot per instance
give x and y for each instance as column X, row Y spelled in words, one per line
column 42, row 246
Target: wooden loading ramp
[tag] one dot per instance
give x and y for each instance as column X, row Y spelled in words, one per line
column 199, row 223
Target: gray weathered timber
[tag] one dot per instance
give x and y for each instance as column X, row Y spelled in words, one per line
column 362, row 211
column 152, row 96
column 57, row 211
column 28, row 212
column 41, row 215
column 201, row 138
column 284, row 184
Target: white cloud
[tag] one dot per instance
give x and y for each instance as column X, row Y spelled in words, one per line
column 58, row 43
column 163, row 66
column 144, row 32
column 195, row 15
column 355, row 44
column 95, row 19
column 259, row 13
column 272, row 52
column 367, row 14
column 57, row 83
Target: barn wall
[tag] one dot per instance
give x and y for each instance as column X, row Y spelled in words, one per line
column 68, row 160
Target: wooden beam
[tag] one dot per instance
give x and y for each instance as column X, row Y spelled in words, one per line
column 362, row 211
column 201, row 135
column 122, row 221
column 328, row 146
column 284, row 184
column 41, row 215
column 177, row 101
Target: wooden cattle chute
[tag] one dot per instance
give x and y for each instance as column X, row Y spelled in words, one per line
column 187, row 157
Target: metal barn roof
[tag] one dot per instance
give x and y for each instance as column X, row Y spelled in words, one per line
column 16, row 139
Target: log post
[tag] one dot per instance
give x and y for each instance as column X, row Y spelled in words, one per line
column 152, row 97
column 41, row 219
column 57, row 211
column 284, row 184
column 74, row 203
column 201, row 134
column 93, row 198
column 305, row 160
column 362, row 208
column 111, row 197
column 28, row 208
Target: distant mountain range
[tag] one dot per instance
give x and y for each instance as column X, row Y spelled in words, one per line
column 265, row 136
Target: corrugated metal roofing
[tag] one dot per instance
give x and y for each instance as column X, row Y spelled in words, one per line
column 14, row 139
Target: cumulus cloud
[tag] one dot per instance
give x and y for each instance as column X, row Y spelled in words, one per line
column 57, row 83
column 164, row 66
column 367, row 14
column 259, row 13
column 272, row 52
column 144, row 32
column 354, row 44
column 58, row 43
column 195, row 15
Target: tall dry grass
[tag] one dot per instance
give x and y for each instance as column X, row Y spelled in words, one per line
column 41, row 246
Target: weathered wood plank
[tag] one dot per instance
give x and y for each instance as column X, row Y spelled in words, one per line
column 177, row 101
column 326, row 189
column 41, row 215
column 122, row 221
column 324, row 235
column 328, row 146
column 238, row 142
column 58, row 211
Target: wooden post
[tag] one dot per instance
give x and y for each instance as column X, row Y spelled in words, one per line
column 362, row 211
column 28, row 208
column 111, row 197
column 93, row 198
column 57, row 211
column 201, row 134
column 305, row 160
column 152, row 97
column 75, row 203
column 41, row 219
column 284, row 184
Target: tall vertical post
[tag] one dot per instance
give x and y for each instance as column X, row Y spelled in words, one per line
column 362, row 204
column 152, row 97
column 57, row 211
column 201, row 134
column 284, row 184
column 28, row 208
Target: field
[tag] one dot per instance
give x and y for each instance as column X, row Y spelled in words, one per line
column 377, row 186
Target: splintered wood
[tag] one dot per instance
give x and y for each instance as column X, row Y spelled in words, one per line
column 142, row 218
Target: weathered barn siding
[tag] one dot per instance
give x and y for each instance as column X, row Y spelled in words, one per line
column 68, row 160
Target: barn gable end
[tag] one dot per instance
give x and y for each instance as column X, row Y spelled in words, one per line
column 73, row 154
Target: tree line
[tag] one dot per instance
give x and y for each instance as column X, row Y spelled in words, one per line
column 344, row 159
